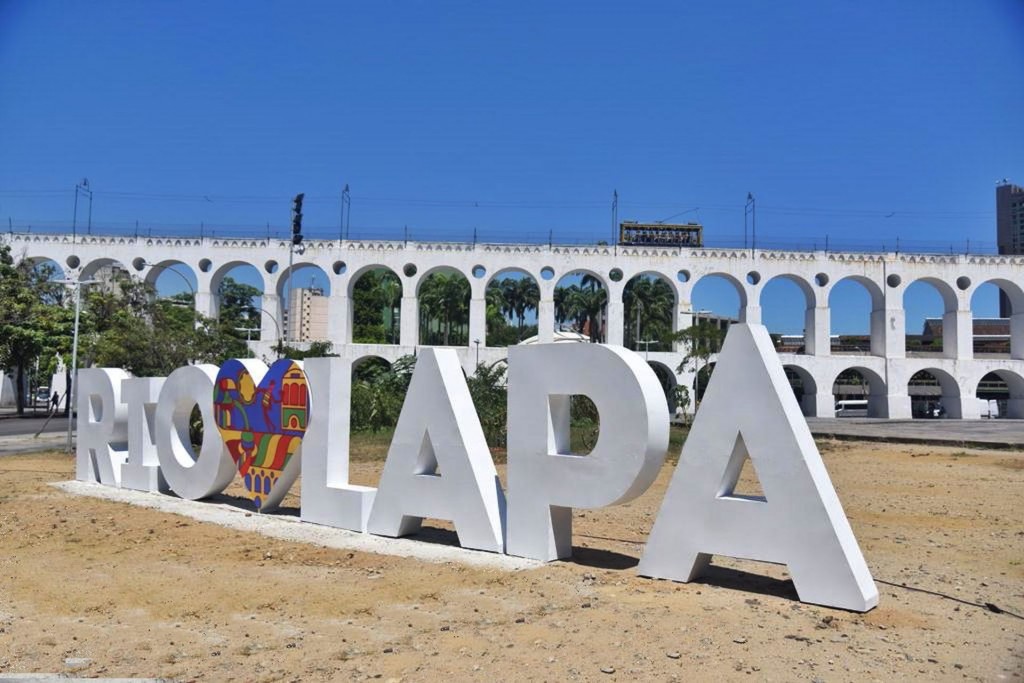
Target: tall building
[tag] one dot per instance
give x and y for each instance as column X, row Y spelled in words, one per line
column 1009, row 228
column 306, row 318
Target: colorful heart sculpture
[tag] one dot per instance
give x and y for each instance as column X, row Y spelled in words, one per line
column 262, row 415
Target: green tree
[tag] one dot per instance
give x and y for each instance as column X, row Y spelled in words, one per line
column 33, row 322
column 237, row 307
column 490, row 398
column 649, row 302
column 376, row 297
column 699, row 342
column 444, row 307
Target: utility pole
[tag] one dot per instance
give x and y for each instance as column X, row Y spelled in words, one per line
column 615, row 217
column 750, row 209
column 346, row 203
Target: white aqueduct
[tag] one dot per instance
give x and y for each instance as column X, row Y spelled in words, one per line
column 888, row 367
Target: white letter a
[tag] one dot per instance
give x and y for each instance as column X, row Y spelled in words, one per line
column 438, row 429
column 749, row 408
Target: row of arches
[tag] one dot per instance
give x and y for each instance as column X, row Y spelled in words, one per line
column 648, row 308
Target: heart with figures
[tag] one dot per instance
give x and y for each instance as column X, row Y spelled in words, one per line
column 262, row 414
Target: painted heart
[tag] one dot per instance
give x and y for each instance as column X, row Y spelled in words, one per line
column 262, row 414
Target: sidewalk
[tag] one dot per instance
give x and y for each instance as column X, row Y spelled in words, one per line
column 26, row 443
column 983, row 433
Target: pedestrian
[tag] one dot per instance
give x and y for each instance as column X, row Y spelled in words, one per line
column 54, row 401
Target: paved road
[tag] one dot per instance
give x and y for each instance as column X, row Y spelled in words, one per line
column 984, row 433
column 11, row 426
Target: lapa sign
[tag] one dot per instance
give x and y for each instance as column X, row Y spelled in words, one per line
column 294, row 416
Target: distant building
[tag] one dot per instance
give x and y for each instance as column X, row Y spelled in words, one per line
column 991, row 335
column 307, row 311
column 1009, row 229
column 109, row 278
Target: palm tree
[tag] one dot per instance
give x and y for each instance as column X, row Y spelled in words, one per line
column 444, row 300
column 390, row 292
column 584, row 304
column 649, row 301
column 527, row 298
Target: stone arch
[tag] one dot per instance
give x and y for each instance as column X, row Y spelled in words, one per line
column 804, row 388
column 584, row 306
column 443, row 314
column 936, row 335
column 511, row 309
column 871, row 388
column 308, row 322
column 1011, row 403
column 222, row 271
column 933, row 389
column 800, row 324
column 655, row 311
column 172, row 273
column 703, row 281
column 366, row 323
column 257, row 311
column 320, row 280
column 669, row 382
column 420, row 277
column 96, row 269
column 868, row 338
column 988, row 333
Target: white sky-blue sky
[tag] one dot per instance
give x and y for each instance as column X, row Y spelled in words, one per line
column 862, row 121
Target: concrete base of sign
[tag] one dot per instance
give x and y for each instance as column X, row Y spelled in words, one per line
column 288, row 528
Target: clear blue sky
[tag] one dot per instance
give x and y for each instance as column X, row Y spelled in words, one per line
column 864, row 121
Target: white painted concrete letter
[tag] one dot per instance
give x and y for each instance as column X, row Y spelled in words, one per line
column 102, row 426
column 327, row 497
column 439, row 429
column 749, row 409
column 545, row 480
column 142, row 470
column 190, row 476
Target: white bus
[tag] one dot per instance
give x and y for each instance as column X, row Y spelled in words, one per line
column 852, row 408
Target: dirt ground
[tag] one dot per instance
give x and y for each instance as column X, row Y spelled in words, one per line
column 106, row 589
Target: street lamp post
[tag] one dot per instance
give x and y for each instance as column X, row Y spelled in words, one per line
column 277, row 325
column 77, row 284
column 477, row 342
column 248, row 332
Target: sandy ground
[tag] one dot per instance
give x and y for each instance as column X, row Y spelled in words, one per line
column 106, row 589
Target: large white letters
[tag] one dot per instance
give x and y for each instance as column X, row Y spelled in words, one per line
column 439, row 464
column 545, row 480
column 190, row 476
column 102, row 432
column 438, row 427
column 327, row 497
column 749, row 408
column 142, row 470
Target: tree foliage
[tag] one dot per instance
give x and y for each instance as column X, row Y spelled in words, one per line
column 649, row 303
column 376, row 301
column 509, row 300
column 34, row 323
column 444, row 309
column 582, row 305
column 699, row 342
